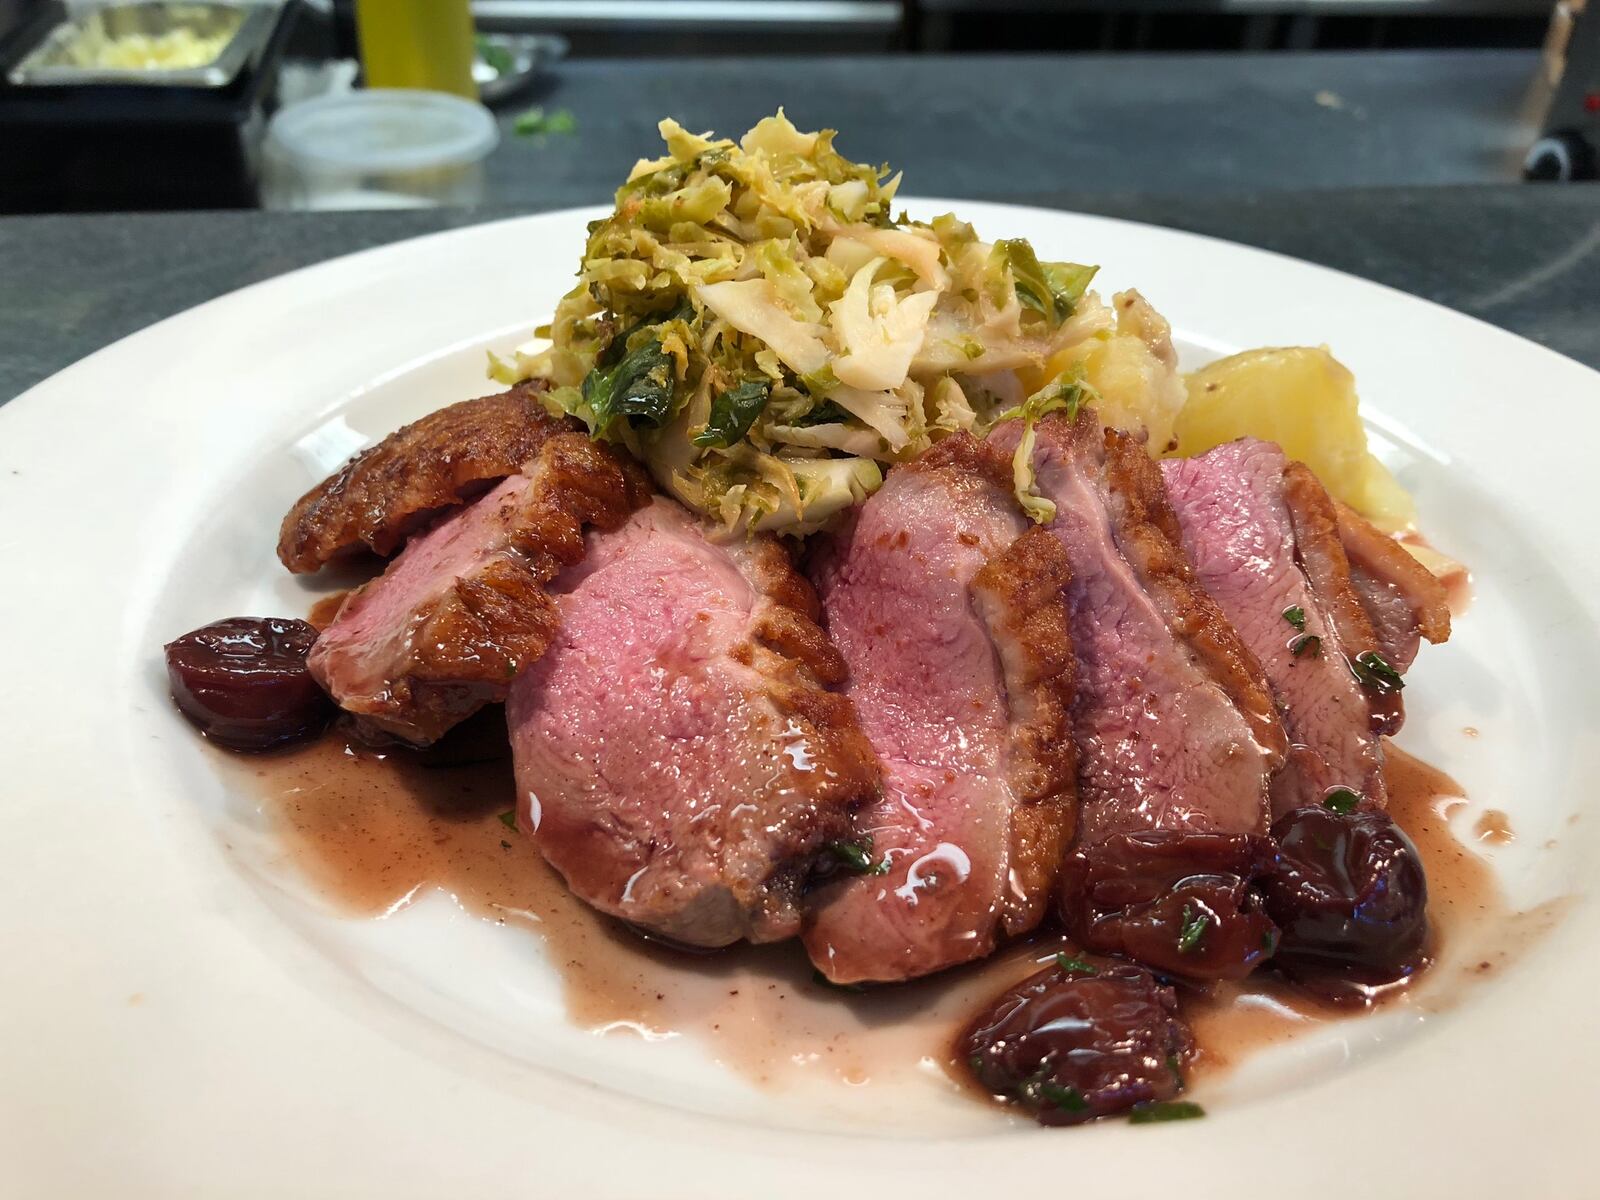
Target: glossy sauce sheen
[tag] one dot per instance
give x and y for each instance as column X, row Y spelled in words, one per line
column 326, row 609
column 1494, row 827
column 373, row 830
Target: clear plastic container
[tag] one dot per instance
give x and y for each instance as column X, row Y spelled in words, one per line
column 379, row 148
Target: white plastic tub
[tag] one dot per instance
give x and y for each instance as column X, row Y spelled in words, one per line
column 378, row 148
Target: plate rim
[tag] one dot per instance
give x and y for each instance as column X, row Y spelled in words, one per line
column 758, row 1148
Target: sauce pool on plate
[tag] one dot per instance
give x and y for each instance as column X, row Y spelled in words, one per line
column 372, row 830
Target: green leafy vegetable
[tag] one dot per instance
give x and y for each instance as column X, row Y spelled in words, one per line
column 1164, row 1110
column 509, row 819
column 617, row 346
column 1296, row 616
column 1064, row 393
column 1050, row 289
column 768, row 271
column 638, row 388
column 1374, row 671
column 1076, row 966
column 1341, row 801
column 820, row 382
column 1308, row 643
column 733, row 412
column 827, row 413
column 1193, row 929
column 536, row 122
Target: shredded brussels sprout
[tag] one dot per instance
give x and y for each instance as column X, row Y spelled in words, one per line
column 1067, row 391
column 754, row 323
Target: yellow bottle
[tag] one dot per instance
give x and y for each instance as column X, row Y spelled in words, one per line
column 417, row 44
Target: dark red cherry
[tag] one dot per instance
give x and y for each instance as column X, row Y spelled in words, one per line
column 1085, row 1038
column 1350, row 898
column 243, row 682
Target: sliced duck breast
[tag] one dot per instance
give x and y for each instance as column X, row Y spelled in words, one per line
column 447, row 626
column 389, row 491
column 679, row 757
column 1379, row 599
column 1402, row 599
column 951, row 617
column 1239, row 531
column 1176, row 731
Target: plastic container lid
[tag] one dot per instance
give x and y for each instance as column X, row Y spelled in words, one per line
column 383, row 130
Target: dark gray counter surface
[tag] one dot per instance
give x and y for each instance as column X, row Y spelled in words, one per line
column 1375, row 163
column 1524, row 257
column 987, row 125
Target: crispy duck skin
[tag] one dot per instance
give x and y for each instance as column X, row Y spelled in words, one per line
column 388, row 491
column 1403, row 600
column 464, row 608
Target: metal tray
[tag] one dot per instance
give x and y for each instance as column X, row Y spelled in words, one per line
column 50, row 63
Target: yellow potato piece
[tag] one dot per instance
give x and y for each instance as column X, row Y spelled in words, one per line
column 1305, row 400
column 1133, row 389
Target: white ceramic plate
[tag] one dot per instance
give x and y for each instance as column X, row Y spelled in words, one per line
column 178, row 1019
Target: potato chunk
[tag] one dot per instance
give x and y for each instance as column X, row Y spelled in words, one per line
column 1305, row 400
column 1131, row 372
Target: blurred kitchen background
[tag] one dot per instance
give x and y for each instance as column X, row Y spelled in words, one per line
column 360, row 104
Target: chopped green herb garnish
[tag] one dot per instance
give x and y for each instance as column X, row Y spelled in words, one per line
column 1076, row 966
column 1165, row 1110
column 1341, row 801
column 1306, row 643
column 1193, row 929
column 1374, row 671
column 1296, row 616
column 851, row 854
column 495, row 56
column 817, row 977
column 536, row 121
column 857, row 857
column 509, row 819
column 1176, row 1068
column 1067, row 1099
